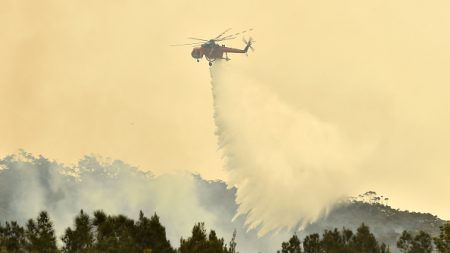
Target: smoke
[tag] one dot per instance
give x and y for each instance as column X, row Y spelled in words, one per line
column 31, row 184
column 288, row 165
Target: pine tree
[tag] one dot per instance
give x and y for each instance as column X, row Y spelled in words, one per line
column 115, row 234
column 232, row 244
column 81, row 239
column 196, row 242
column 311, row 243
column 40, row 235
column 150, row 234
column 292, row 246
column 31, row 236
column 12, row 237
column 215, row 244
column 200, row 242
column 332, row 241
column 364, row 241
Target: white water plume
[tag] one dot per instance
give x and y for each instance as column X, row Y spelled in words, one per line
column 289, row 166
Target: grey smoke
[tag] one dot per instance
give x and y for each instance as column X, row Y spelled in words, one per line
column 29, row 184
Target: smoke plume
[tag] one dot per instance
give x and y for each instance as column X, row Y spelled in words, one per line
column 288, row 166
column 30, row 184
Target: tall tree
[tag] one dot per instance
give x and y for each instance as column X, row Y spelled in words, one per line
column 200, row 242
column 196, row 242
column 442, row 242
column 292, row 246
column 215, row 244
column 12, row 237
column 81, row 238
column 332, row 241
column 311, row 243
column 232, row 244
column 347, row 236
column 150, row 234
column 384, row 248
column 115, row 234
column 364, row 241
column 422, row 243
column 40, row 235
column 405, row 242
column 2, row 237
column 31, row 236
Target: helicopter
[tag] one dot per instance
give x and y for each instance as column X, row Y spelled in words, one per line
column 213, row 51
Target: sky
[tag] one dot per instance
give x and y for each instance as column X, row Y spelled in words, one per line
column 98, row 77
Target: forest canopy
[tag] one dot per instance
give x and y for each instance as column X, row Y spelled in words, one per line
column 119, row 234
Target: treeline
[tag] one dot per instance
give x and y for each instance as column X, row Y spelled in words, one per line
column 104, row 233
column 363, row 241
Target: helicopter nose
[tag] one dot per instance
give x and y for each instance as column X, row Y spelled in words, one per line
column 196, row 54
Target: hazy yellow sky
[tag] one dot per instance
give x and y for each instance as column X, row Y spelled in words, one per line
column 82, row 77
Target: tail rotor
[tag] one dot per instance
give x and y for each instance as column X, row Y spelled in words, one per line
column 248, row 44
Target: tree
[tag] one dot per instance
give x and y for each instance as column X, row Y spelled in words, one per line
column 384, row 248
column 81, row 239
column 200, row 242
column 442, row 242
column 292, row 246
column 404, row 243
column 347, row 236
column 150, row 234
column 31, row 236
column 311, row 244
column 12, row 237
column 332, row 242
column 40, row 235
column 2, row 237
column 197, row 240
column 232, row 244
column 364, row 241
column 215, row 244
column 115, row 234
column 422, row 243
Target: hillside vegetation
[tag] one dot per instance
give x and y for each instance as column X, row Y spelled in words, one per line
column 30, row 184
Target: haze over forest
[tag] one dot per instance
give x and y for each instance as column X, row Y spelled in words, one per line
column 30, row 184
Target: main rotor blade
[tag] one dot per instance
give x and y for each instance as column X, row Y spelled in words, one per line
column 236, row 34
column 187, row 44
column 197, row 39
column 220, row 35
column 226, row 38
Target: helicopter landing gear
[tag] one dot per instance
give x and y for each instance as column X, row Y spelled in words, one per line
column 210, row 63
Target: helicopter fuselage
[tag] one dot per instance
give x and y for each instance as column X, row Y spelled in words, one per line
column 213, row 51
